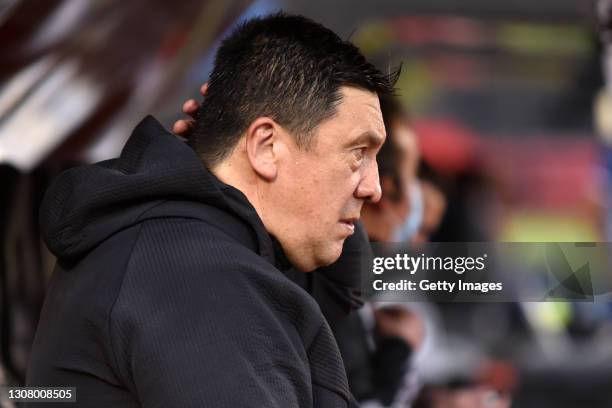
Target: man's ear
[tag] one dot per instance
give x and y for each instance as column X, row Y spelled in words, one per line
column 261, row 136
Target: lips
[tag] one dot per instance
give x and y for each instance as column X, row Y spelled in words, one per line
column 349, row 224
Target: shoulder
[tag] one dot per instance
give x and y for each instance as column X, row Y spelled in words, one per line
column 193, row 249
column 191, row 263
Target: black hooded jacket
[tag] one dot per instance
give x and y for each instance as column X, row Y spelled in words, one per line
column 168, row 292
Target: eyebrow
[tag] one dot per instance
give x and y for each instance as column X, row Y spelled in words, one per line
column 369, row 137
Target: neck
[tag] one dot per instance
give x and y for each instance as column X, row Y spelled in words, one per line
column 238, row 174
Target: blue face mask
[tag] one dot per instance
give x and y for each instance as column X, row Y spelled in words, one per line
column 412, row 223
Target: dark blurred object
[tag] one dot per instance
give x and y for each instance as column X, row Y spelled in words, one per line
column 22, row 266
column 74, row 71
column 463, row 220
column 76, row 76
column 604, row 15
column 490, row 386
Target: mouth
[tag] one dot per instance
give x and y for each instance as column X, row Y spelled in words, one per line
column 349, row 224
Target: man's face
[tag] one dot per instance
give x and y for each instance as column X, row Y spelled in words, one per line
column 319, row 191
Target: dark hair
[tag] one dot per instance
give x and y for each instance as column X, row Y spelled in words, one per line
column 282, row 66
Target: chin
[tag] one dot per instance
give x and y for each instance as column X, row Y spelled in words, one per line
column 333, row 252
column 325, row 255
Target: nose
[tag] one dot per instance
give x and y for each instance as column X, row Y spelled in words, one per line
column 369, row 185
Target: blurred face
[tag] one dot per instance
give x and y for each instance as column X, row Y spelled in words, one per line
column 383, row 220
column 318, row 194
column 434, row 208
column 406, row 143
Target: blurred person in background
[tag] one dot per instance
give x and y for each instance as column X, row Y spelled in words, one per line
column 168, row 289
column 434, row 206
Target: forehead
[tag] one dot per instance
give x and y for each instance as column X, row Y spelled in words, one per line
column 357, row 116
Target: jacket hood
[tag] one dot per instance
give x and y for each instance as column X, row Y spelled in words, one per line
column 86, row 205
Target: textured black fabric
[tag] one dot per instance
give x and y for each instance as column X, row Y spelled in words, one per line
column 389, row 365
column 167, row 292
column 372, row 374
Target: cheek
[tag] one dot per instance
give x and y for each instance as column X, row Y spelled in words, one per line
column 346, row 179
column 341, row 192
column 326, row 190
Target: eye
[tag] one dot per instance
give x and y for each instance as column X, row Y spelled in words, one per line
column 359, row 153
